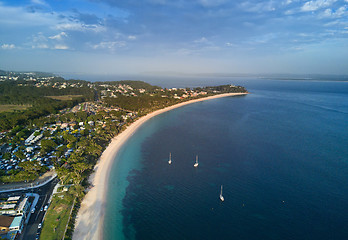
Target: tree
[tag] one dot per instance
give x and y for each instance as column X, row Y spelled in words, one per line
column 80, row 167
column 32, row 168
column 69, row 137
column 47, row 145
column 60, row 151
column 47, row 133
column 6, row 156
column 19, row 154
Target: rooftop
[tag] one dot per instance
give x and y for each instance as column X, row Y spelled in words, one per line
column 16, row 198
column 22, row 204
column 5, row 221
column 16, row 223
column 8, row 206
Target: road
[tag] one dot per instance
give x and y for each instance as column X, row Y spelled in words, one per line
column 31, row 229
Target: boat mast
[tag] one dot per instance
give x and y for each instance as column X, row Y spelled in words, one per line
column 221, row 197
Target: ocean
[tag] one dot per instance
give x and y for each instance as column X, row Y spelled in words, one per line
column 281, row 154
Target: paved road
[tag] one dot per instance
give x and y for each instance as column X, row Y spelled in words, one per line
column 48, row 176
column 30, row 231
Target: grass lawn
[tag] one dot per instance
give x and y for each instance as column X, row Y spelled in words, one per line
column 57, row 217
column 12, row 107
column 64, row 97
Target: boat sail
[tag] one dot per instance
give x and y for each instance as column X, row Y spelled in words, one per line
column 221, row 197
column 196, row 163
column 170, row 159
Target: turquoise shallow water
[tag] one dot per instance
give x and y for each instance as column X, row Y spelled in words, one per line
column 281, row 154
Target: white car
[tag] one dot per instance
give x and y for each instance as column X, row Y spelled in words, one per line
column 39, row 226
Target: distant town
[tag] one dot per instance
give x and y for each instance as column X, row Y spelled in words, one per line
column 52, row 133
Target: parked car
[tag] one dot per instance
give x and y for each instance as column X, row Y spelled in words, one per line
column 39, row 226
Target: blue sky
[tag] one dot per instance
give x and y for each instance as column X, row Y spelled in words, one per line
column 183, row 36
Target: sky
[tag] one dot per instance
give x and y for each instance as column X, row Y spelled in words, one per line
column 174, row 36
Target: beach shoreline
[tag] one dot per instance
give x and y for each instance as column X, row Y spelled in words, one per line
column 90, row 217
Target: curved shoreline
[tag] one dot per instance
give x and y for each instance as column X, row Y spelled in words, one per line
column 90, row 217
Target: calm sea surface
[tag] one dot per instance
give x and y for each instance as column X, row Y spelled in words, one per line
column 281, row 154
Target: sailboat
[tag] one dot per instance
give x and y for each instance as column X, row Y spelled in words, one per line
column 170, row 159
column 196, row 163
column 221, row 197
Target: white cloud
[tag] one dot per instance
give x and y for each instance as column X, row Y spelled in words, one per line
column 211, row 3
column 289, row 12
column 8, row 46
column 263, row 39
column 201, row 40
column 61, row 47
column 110, row 45
column 316, row 4
column 42, row 46
column 131, row 37
column 39, row 2
column 229, row 44
column 341, row 11
column 78, row 26
column 40, row 41
column 197, row 47
column 19, row 16
column 51, row 20
column 203, row 45
column 184, row 52
column 258, row 7
column 327, row 13
column 59, row 36
column 334, row 14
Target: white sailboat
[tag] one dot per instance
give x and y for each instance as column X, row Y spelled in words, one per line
column 170, row 159
column 196, row 163
column 221, row 197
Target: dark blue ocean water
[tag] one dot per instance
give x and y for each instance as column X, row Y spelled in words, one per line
column 281, row 154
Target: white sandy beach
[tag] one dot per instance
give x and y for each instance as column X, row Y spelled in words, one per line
column 91, row 214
